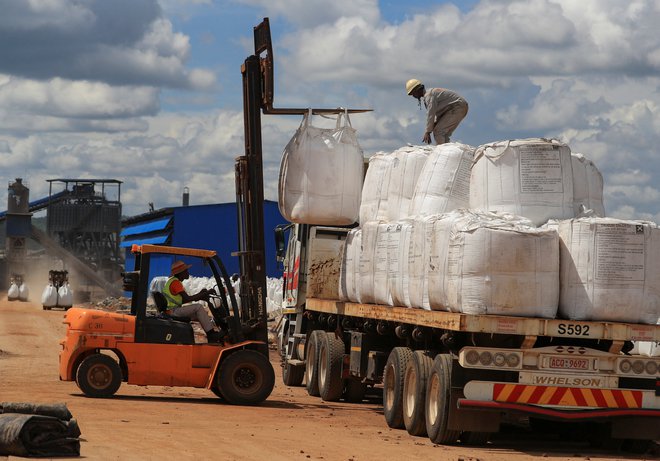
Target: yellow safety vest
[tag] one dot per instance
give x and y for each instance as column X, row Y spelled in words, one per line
column 172, row 300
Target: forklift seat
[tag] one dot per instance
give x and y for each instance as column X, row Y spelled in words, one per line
column 161, row 305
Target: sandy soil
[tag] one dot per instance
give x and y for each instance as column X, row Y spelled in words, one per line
column 163, row 423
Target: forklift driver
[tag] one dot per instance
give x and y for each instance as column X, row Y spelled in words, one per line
column 178, row 299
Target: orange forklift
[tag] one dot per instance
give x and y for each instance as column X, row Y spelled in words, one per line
column 102, row 349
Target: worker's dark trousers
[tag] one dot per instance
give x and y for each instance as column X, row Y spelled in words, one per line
column 447, row 122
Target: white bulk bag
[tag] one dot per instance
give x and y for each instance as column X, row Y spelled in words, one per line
column 527, row 177
column 375, row 190
column 381, row 268
column 610, row 270
column 49, row 296
column 350, row 269
column 587, row 187
column 499, row 265
column 407, row 164
column 23, row 292
column 12, row 293
column 367, row 256
column 65, row 296
column 418, row 261
column 444, row 182
column 321, row 174
column 398, row 254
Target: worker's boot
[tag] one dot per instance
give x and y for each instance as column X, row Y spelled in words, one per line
column 214, row 336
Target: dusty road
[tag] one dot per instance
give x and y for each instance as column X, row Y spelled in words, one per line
column 161, row 423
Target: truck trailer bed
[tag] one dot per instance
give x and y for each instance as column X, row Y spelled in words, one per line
column 495, row 324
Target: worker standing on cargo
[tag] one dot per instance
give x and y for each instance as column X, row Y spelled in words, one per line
column 180, row 303
column 445, row 110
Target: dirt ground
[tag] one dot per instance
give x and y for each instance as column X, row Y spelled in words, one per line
column 164, row 423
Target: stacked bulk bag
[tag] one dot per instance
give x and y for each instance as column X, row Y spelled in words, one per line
column 375, row 190
column 587, row 187
column 321, row 174
column 373, row 264
column 528, row 177
column 495, row 264
column 418, row 260
column 610, row 270
column 349, row 277
column 398, row 254
column 405, row 167
column 444, row 183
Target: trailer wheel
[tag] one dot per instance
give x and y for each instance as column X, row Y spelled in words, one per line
column 414, row 392
column 246, row 377
column 354, row 391
column 393, row 378
column 98, row 376
column 292, row 376
column 217, row 392
column 331, row 356
column 312, row 362
column 438, row 396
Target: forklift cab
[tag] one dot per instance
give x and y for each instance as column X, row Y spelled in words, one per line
column 160, row 328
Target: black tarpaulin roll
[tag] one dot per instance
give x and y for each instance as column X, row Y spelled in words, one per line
column 37, row 435
column 58, row 410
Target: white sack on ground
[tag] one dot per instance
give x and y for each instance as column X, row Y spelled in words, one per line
column 23, row 292
column 321, row 174
column 610, row 270
column 12, row 292
column 398, row 254
column 418, row 260
column 587, row 187
column 407, row 164
column 350, row 267
column 493, row 264
column 373, row 206
column 527, row 177
column 49, row 296
column 65, row 296
column 444, row 183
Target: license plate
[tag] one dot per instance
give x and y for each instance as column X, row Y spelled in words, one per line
column 567, row 363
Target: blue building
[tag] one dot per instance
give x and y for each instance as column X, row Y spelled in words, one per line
column 210, row 227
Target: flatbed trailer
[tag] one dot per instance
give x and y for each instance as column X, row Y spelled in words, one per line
column 456, row 376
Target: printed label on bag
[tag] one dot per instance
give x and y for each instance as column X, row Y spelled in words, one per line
column 540, row 170
column 620, row 252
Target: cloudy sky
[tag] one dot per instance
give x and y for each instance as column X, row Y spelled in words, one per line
column 149, row 91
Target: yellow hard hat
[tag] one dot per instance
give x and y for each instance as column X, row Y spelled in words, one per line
column 412, row 84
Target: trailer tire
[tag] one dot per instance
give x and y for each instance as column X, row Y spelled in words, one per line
column 99, row 376
column 393, row 378
column 331, row 357
column 414, row 392
column 354, row 391
column 438, row 398
column 246, row 377
column 292, row 376
column 312, row 362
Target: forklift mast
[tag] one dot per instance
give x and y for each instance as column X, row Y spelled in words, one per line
column 258, row 94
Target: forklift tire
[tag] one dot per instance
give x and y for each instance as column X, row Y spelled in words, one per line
column 312, row 362
column 331, row 358
column 246, row 377
column 99, row 376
